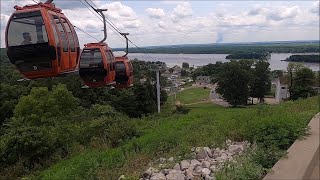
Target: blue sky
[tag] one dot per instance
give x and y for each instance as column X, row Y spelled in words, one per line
column 190, row 22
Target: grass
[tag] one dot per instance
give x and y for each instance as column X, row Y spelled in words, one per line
column 173, row 135
column 193, row 95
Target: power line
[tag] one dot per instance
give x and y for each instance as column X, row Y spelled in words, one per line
column 86, row 33
column 35, row 1
column 114, row 27
column 99, row 17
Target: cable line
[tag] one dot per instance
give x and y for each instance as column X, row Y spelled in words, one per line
column 86, row 33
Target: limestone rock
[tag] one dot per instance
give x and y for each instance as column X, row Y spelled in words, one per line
column 122, row 177
column 184, row 164
column 197, row 171
column 189, row 173
column 236, row 149
column 158, row 176
column 171, row 159
column 201, row 154
column 194, row 162
column 209, row 152
column 175, row 175
column 147, row 174
column 209, row 178
column 205, row 171
column 205, row 164
column 162, row 160
column 177, row 167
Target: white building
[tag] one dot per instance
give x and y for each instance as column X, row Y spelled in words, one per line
column 282, row 90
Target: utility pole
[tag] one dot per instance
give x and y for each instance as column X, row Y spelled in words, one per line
column 158, row 88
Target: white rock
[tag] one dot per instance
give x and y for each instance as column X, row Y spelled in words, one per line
column 165, row 171
column 162, row 160
column 121, row 177
column 209, row 152
column 201, row 154
column 205, row 164
column 158, row 176
column 213, row 162
column 220, row 159
column 184, row 164
column 228, row 142
column 147, row 174
column 213, row 168
column 177, row 167
column 194, row 162
column 236, row 149
column 205, row 171
column 209, row 178
column 175, row 175
column 197, row 171
column 193, row 149
column 171, row 159
column 189, row 173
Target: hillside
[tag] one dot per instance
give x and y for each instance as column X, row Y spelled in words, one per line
column 169, row 135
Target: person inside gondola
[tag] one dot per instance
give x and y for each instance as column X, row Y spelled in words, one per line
column 27, row 38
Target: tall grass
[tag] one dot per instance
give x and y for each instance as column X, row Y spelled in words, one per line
column 173, row 135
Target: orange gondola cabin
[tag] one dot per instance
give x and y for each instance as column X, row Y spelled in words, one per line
column 97, row 65
column 41, row 42
column 124, row 73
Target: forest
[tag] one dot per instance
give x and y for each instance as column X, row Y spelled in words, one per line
column 312, row 58
column 248, row 56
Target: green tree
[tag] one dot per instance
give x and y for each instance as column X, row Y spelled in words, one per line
column 38, row 130
column 184, row 73
column 233, row 81
column 185, row 65
column 260, row 84
column 302, row 84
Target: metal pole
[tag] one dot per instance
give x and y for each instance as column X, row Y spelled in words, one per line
column 158, row 89
column 104, row 24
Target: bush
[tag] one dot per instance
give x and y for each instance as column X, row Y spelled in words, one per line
column 243, row 168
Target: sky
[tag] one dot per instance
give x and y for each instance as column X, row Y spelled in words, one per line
column 152, row 23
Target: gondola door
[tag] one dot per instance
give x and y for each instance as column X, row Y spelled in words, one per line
column 64, row 50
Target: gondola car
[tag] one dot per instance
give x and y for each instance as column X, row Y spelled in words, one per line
column 97, row 65
column 124, row 73
column 124, row 69
column 97, row 62
column 41, row 42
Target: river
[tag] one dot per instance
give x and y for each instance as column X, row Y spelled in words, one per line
column 204, row 59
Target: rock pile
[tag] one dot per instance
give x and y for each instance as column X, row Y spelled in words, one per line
column 203, row 164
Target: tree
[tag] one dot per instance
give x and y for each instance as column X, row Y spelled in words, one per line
column 260, row 84
column 38, row 128
column 184, row 73
column 185, row 65
column 233, row 81
column 302, row 84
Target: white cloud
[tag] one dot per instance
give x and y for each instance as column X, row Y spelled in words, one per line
column 175, row 22
column 181, row 11
column 156, row 13
column 316, row 8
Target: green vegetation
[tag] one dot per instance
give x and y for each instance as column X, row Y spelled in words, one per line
column 43, row 121
column 193, row 95
column 239, row 80
column 302, row 84
column 274, row 127
column 312, row 58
